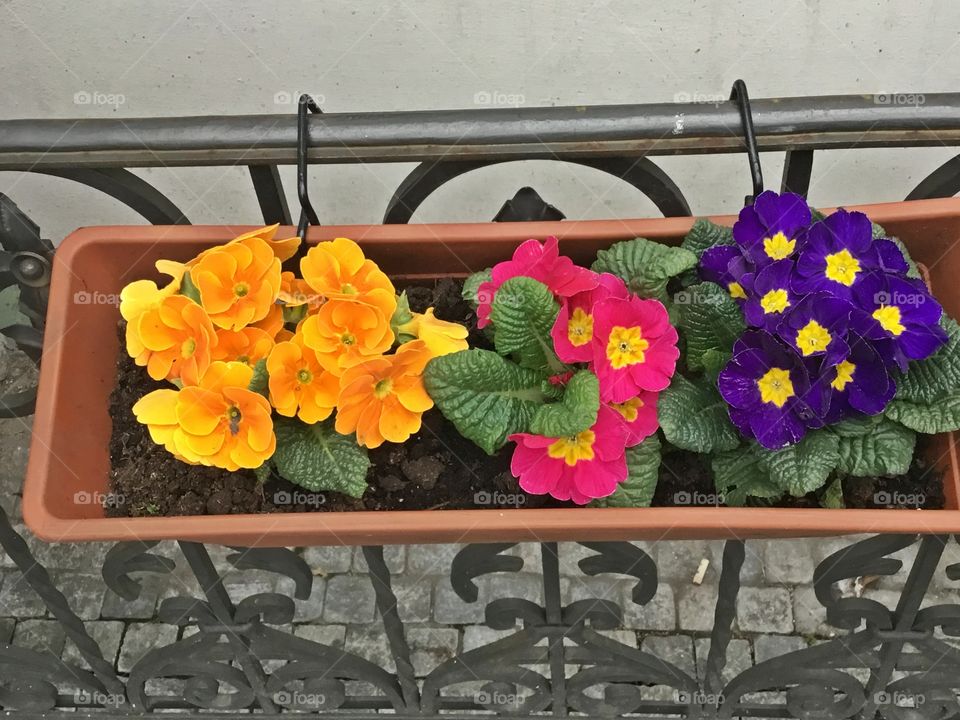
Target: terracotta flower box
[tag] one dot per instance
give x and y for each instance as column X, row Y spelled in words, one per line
column 69, row 454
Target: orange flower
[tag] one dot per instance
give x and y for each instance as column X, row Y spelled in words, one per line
column 248, row 346
column 238, row 282
column 142, row 295
column 282, row 250
column 173, row 339
column 441, row 337
column 295, row 292
column 218, row 422
column 344, row 333
column 383, row 398
column 298, row 384
column 272, row 324
column 337, row 269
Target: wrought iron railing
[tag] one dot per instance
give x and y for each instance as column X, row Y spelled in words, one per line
column 897, row 659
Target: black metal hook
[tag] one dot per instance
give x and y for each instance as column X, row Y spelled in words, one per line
column 738, row 94
column 308, row 215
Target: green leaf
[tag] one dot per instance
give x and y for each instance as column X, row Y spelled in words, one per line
column 694, row 417
column 738, row 475
column 643, row 470
column 317, row 457
column 188, row 289
column 401, row 316
column 10, row 314
column 874, row 446
column 714, row 361
column 706, row 234
column 645, row 266
column 259, row 383
column 877, row 231
column 293, row 314
column 710, row 320
column 263, row 472
column 472, row 284
column 486, row 397
column 576, row 412
column 941, row 415
column 938, row 375
column 804, row 466
column 523, row 312
column 816, row 216
column 833, row 495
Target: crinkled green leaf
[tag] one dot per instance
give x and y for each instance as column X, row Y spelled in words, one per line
column 941, row 415
column 486, row 396
column 713, row 361
column 877, row 231
column 523, row 312
column 643, row 469
column 259, row 383
column 938, row 375
column 576, row 411
column 694, row 417
column 710, row 321
column 738, row 475
column 189, row 289
column 10, row 314
column 833, row 495
column 706, row 234
column 645, row 266
column 804, row 466
column 874, row 446
column 472, row 284
column 317, row 457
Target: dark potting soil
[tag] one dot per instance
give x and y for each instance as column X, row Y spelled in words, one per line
column 436, row 469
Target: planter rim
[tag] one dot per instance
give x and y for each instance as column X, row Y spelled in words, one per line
column 434, row 526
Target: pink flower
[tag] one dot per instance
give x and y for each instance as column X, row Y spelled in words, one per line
column 639, row 415
column 585, row 466
column 540, row 262
column 634, row 347
column 573, row 330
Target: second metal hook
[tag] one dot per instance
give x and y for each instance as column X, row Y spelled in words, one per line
column 738, row 94
column 308, row 216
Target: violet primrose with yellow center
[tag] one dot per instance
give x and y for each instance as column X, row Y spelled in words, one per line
column 771, row 229
column 860, row 383
column 771, row 296
column 817, row 326
column 726, row 266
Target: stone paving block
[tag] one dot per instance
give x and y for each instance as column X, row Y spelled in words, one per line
column 765, row 610
column 394, row 556
column 570, row 554
column 332, row 635
column 696, row 605
column 328, row 559
column 370, row 642
column 600, row 587
column 625, row 637
column 679, row 560
column 951, row 556
column 529, row 552
column 413, row 599
column 350, row 599
column 660, row 613
column 106, row 633
column 14, row 449
column 739, row 658
column 66, row 556
column 767, row 647
column 83, row 592
column 810, row 615
column 6, row 629
column 676, row 650
column 307, row 610
column 427, row 560
column 449, row 609
column 788, row 562
column 475, row 636
column 17, row 598
column 899, row 579
column 43, row 636
column 140, row 638
column 243, row 584
column 429, row 647
column 144, row 607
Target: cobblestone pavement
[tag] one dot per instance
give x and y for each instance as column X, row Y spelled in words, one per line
column 776, row 612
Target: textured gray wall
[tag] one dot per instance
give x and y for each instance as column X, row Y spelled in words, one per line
column 63, row 58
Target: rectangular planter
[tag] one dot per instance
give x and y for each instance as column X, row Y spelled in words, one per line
column 69, row 460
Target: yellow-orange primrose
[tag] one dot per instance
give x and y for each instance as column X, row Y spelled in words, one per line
column 440, row 337
column 217, row 422
column 173, row 340
column 337, row 269
column 383, row 398
column 298, row 383
column 344, row 332
column 249, row 345
column 283, row 250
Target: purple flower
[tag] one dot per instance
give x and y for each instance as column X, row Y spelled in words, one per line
column 857, row 384
column 772, row 227
column 770, row 297
column 726, row 266
column 899, row 316
column 767, row 387
column 817, row 327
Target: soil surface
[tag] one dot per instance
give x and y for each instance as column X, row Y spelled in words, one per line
column 435, row 469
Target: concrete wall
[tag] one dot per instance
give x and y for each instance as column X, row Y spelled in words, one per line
column 65, row 58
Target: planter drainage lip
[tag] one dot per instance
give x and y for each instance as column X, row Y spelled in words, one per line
column 66, row 478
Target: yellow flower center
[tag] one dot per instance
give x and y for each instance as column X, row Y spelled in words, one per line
column 304, row 376
column 776, row 387
column 775, row 301
column 382, row 388
column 629, row 409
column 188, row 348
column 241, row 289
column 626, row 346
column 736, row 291
column 348, row 339
column 844, row 375
column 573, row 449
column 348, row 289
column 813, row 337
column 233, row 419
column 842, row 267
column 779, row 246
column 889, row 318
column 580, row 328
